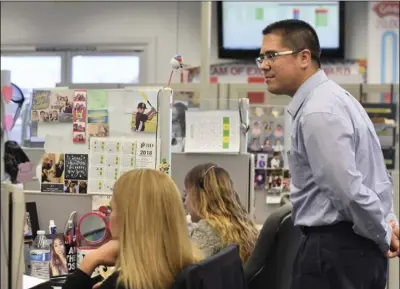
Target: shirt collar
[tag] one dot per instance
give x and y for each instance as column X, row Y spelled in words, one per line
column 304, row 90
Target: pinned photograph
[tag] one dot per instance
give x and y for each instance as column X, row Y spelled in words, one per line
column 178, row 126
column 274, row 178
column 278, row 144
column 79, row 111
column 98, row 123
column 276, row 162
column 79, row 137
column 144, row 116
column 79, row 126
column 52, row 173
column 255, row 129
column 98, row 129
column 259, row 179
column 262, row 160
column 278, row 132
column 254, row 144
column 61, row 106
column 40, row 106
column 268, row 128
column 58, row 256
column 267, row 146
column 75, row 187
column 286, row 181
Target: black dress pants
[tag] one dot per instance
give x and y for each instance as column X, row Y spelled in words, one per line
column 334, row 257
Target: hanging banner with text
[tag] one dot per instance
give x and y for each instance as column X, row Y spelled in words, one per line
column 346, row 72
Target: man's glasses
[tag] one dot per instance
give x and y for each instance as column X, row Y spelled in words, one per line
column 270, row 57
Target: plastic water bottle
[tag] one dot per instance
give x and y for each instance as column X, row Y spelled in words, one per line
column 40, row 256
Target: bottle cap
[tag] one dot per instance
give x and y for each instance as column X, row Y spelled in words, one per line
column 41, row 232
column 52, row 223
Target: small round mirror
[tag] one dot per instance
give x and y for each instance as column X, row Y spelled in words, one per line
column 93, row 228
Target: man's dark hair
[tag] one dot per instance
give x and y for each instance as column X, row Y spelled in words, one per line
column 297, row 35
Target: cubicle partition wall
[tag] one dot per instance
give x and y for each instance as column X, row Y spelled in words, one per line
column 239, row 167
column 58, row 206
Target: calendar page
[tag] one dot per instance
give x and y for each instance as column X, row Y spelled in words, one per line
column 212, row 131
column 110, row 157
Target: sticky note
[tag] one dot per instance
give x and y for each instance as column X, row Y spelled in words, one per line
column 6, row 92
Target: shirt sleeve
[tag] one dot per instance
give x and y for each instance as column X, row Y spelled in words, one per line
column 391, row 215
column 330, row 148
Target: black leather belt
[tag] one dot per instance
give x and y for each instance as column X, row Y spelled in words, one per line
column 337, row 227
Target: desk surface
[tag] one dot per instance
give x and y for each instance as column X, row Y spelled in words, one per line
column 29, row 282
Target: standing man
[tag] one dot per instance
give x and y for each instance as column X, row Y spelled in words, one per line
column 341, row 193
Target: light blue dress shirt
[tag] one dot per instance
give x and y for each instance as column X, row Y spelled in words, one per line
column 337, row 167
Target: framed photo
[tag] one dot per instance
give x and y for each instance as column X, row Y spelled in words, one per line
column 31, row 221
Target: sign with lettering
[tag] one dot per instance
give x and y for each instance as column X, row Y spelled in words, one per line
column 76, row 166
column 70, row 248
column 342, row 72
column 146, row 154
column 40, row 99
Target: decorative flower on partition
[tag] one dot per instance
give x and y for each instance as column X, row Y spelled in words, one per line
column 164, row 166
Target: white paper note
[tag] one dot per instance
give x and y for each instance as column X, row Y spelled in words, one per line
column 212, row 131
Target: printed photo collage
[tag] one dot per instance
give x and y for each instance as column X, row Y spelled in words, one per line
column 266, row 142
column 64, row 173
column 52, row 106
column 73, row 106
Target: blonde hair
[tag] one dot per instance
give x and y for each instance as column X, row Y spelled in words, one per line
column 153, row 234
column 213, row 198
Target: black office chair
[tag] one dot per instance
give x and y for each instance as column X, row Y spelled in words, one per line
column 223, row 270
column 271, row 263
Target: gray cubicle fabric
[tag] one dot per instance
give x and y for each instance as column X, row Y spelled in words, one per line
column 58, row 207
column 237, row 165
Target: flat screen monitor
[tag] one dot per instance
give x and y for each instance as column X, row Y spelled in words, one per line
column 240, row 25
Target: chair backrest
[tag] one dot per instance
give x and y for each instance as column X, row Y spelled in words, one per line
column 220, row 271
column 271, row 263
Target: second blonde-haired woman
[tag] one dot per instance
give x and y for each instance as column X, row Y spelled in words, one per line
column 219, row 217
column 151, row 243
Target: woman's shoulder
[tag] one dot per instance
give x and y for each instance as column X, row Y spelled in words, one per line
column 206, row 237
column 203, row 225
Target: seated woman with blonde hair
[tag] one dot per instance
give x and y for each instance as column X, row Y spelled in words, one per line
column 150, row 245
column 218, row 217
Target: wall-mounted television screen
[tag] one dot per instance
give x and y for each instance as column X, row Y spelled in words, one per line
column 240, row 25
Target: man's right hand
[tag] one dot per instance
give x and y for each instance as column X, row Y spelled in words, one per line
column 394, row 250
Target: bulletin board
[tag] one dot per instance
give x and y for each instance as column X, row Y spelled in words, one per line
column 269, row 142
column 93, row 136
column 109, row 112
